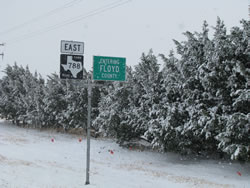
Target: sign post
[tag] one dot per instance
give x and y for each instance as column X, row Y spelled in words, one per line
column 88, row 130
column 71, row 67
column 104, row 68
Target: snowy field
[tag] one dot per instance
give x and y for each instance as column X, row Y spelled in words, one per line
column 32, row 159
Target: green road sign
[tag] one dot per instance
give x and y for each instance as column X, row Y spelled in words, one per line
column 109, row 68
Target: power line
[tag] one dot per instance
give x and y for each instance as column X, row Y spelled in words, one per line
column 52, row 12
column 70, row 21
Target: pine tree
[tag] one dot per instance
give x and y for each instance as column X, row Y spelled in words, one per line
column 115, row 110
column 34, row 93
column 234, row 138
column 204, row 103
column 75, row 115
column 12, row 89
column 54, row 100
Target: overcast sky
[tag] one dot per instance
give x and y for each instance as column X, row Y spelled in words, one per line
column 32, row 29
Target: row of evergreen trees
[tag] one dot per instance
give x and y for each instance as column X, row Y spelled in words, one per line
column 199, row 102
column 26, row 99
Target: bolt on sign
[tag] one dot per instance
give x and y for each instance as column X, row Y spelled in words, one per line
column 109, row 68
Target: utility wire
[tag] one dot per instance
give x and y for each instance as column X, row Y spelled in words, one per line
column 70, row 21
column 52, row 12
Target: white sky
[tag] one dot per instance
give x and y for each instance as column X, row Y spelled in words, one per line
column 125, row 31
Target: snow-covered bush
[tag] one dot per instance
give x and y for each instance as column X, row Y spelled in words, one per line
column 205, row 103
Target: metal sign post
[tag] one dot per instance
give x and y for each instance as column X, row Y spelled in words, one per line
column 71, row 67
column 106, row 69
column 88, row 130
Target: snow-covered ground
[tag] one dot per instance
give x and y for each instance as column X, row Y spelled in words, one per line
column 31, row 159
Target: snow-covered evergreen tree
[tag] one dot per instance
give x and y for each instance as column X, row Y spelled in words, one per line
column 162, row 132
column 115, row 110
column 32, row 99
column 21, row 94
column 204, row 106
column 65, row 104
column 234, row 138
column 75, row 115
column 12, row 106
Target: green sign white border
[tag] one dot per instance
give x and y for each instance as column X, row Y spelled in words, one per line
column 111, row 80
